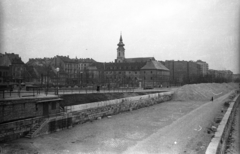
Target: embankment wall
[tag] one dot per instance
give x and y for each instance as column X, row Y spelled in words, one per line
column 79, row 114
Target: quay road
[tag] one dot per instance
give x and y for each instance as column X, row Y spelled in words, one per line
column 174, row 127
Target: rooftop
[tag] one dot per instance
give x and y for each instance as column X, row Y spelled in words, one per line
column 138, row 59
column 154, row 65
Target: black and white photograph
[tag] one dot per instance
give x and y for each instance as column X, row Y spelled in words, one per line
column 119, row 77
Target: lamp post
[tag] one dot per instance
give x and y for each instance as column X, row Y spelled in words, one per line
column 144, row 80
column 57, row 69
column 81, row 79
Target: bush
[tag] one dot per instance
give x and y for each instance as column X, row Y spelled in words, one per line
column 226, row 104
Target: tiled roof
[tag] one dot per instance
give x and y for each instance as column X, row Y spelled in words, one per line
column 67, row 59
column 39, row 61
column 76, row 60
column 154, row 65
column 14, row 58
column 86, row 60
column 139, row 59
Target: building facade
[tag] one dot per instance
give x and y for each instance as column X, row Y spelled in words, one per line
column 17, row 70
column 4, row 74
column 220, row 75
column 203, row 67
column 71, row 69
column 183, row 72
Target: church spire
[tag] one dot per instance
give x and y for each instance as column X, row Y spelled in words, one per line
column 120, row 44
column 121, row 37
column 120, row 51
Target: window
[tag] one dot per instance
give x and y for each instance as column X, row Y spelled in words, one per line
column 151, row 72
column 151, row 78
column 135, row 72
column 53, row 105
column 36, row 107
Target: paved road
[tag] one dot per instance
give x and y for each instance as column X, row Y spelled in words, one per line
column 175, row 137
column 170, row 127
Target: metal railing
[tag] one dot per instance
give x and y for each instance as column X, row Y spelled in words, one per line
column 36, row 92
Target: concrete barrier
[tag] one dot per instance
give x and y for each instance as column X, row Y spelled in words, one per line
column 218, row 143
column 116, row 101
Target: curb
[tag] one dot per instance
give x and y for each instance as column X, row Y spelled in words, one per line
column 218, row 143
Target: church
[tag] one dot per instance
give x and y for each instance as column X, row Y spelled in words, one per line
column 141, row 72
column 121, row 55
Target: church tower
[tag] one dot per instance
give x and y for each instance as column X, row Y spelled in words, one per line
column 120, row 51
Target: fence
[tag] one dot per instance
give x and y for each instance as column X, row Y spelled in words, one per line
column 16, row 93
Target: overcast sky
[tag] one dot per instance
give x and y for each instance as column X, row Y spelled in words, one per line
column 165, row 29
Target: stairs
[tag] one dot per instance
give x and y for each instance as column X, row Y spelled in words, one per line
column 36, row 129
column 30, row 134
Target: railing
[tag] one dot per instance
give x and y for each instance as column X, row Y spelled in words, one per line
column 35, row 92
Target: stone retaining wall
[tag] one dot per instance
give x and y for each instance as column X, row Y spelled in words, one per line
column 78, row 114
column 17, row 129
column 89, row 112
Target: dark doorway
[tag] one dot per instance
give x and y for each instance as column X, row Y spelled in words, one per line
column 45, row 109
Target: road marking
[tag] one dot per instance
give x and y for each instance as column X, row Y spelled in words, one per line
column 200, row 128
column 216, row 94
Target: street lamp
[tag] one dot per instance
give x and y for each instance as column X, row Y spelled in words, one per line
column 81, row 79
column 57, row 69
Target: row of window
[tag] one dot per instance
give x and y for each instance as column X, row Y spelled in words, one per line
column 75, row 65
column 122, row 67
column 162, row 73
column 111, row 72
column 117, row 78
column 4, row 73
